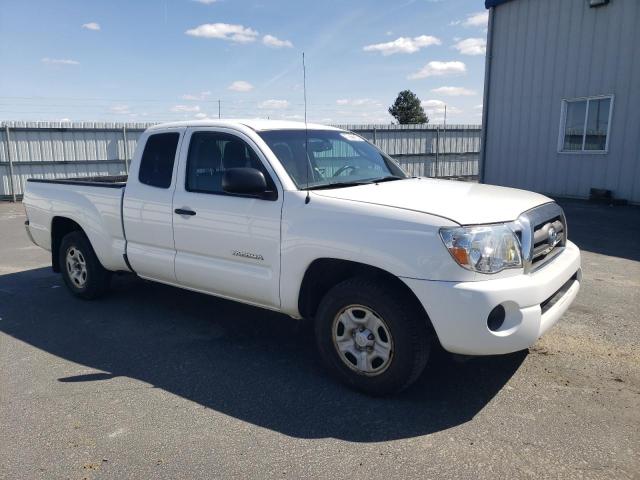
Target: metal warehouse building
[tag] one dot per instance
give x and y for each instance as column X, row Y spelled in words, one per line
column 562, row 97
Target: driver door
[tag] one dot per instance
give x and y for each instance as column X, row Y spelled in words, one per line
column 227, row 245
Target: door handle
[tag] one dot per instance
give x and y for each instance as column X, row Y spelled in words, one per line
column 185, row 211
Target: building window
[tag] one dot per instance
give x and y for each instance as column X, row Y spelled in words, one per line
column 585, row 124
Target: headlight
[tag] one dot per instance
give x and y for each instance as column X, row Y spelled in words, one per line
column 484, row 249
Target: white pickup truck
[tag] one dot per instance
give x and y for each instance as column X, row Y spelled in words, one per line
column 318, row 223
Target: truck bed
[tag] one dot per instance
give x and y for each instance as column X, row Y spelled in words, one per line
column 93, row 202
column 109, row 181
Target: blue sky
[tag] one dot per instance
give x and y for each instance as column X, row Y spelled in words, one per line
column 161, row 60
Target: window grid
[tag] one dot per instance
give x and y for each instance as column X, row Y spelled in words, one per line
column 563, row 124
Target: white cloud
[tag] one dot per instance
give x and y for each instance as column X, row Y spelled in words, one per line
column 65, row 120
column 91, row 26
column 120, row 109
column 59, row 61
column 433, row 104
column 275, row 42
column 438, row 69
column 240, row 86
column 471, row 46
column 185, row 108
column 200, row 115
column 357, row 102
column 224, row 31
column 206, row 2
column 479, row 19
column 274, row 104
column 478, row 107
column 454, row 91
column 196, row 96
column 435, row 109
column 403, row 45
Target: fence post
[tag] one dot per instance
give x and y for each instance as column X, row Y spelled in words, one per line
column 437, row 150
column 126, row 149
column 374, row 135
column 10, row 158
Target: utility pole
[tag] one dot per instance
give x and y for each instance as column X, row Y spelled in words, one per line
column 219, row 109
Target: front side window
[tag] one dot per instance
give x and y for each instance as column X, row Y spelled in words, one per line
column 156, row 165
column 585, row 124
column 211, row 154
column 329, row 159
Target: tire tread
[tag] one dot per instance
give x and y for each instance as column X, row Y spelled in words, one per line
column 382, row 293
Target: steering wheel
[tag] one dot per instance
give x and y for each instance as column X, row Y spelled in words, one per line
column 344, row 169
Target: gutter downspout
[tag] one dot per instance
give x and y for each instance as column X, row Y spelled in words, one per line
column 485, row 96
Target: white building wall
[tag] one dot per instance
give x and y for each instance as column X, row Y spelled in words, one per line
column 545, row 51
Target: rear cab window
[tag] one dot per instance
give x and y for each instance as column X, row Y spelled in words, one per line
column 158, row 158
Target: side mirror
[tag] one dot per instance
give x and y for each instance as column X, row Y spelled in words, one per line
column 244, row 181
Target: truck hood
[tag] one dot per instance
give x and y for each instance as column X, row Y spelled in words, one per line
column 463, row 202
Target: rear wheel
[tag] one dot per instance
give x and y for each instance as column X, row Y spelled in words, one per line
column 371, row 337
column 81, row 270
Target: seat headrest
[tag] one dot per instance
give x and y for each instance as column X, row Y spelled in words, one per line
column 234, row 155
column 208, row 155
column 283, row 152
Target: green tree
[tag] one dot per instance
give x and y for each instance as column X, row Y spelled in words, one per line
column 407, row 108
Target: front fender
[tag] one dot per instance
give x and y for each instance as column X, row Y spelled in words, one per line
column 402, row 242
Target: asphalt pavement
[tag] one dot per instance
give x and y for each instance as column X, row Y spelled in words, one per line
column 157, row 382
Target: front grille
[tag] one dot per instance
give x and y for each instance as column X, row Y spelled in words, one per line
column 543, row 244
column 543, row 235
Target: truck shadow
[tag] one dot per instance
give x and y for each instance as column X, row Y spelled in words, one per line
column 611, row 231
column 254, row 365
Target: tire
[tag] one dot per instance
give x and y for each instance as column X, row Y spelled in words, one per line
column 83, row 274
column 400, row 333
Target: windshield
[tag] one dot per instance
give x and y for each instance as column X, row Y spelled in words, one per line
column 332, row 158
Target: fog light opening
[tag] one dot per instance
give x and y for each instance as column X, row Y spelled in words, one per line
column 496, row 317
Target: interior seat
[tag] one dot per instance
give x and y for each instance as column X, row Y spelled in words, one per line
column 206, row 172
column 235, row 155
column 284, row 154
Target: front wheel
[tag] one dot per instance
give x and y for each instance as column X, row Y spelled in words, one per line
column 371, row 337
column 82, row 272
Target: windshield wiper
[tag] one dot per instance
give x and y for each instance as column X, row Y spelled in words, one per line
column 390, row 178
column 355, row 184
column 338, row 185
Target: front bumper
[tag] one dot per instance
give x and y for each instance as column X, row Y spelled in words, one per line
column 533, row 303
column 28, row 229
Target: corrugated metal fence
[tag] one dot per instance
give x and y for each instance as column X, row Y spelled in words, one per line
column 428, row 150
column 57, row 150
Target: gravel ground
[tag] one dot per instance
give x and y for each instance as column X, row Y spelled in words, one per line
column 157, row 382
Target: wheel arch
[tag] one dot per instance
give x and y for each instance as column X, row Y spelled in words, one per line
column 324, row 273
column 61, row 226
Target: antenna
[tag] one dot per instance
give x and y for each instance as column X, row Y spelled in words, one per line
column 306, row 130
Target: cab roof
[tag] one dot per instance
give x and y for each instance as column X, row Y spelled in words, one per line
column 256, row 124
